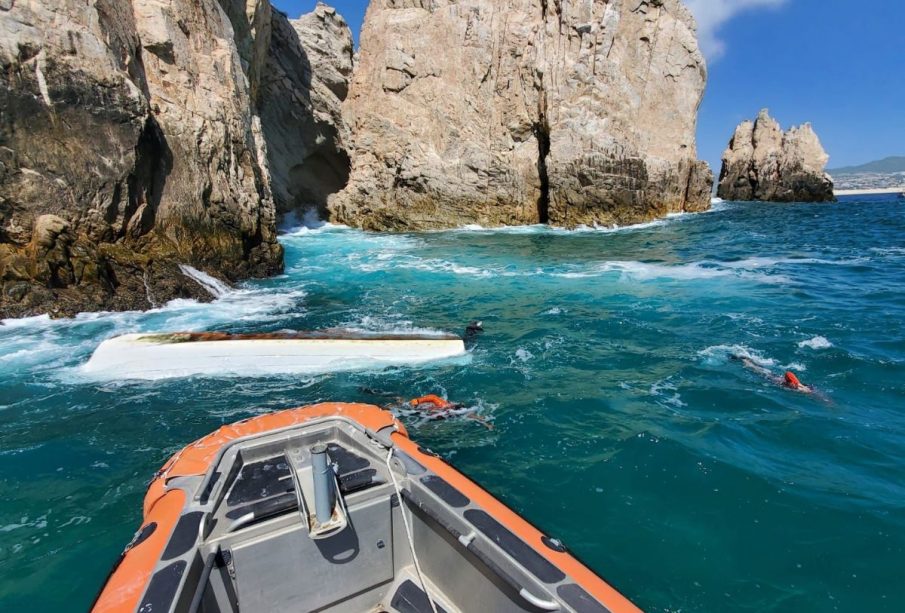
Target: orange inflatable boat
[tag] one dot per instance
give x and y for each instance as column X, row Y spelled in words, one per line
column 333, row 508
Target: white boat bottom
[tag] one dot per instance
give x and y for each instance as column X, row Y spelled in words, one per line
column 152, row 357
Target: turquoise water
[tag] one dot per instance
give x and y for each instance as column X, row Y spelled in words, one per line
column 621, row 424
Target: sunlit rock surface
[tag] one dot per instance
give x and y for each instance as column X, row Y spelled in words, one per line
column 764, row 163
column 524, row 111
column 136, row 136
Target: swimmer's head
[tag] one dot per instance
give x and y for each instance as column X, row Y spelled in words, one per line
column 791, row 380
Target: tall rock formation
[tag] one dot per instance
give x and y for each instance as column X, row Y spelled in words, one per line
column 504, row 112
column 764, row 163
column 132, row 141
column 129, row 145
column 305, row 83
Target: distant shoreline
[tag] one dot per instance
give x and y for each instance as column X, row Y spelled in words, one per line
column 870, row 192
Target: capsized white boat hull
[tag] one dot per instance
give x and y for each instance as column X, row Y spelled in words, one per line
column 162, row 356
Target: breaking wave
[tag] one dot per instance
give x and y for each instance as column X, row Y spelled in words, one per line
column 818, row 342
column 215, row 287
column 720, row 354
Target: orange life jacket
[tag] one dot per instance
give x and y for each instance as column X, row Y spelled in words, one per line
column 431, row 399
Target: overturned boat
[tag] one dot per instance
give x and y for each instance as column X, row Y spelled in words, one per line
column 183, row 354
column 333, row 508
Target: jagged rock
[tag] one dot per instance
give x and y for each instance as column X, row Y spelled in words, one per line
column 764, row 163
column 305, row 82
column 128, row 145
column 569, row 112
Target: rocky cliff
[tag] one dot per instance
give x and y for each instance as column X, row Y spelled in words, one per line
column 764, row 163
column 498, row 112
column 305, row 83
column 133, row 138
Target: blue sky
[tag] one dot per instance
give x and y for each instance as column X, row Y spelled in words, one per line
column 839, row 64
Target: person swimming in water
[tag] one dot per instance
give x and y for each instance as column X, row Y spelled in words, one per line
column 432, row 407
column 789, row 380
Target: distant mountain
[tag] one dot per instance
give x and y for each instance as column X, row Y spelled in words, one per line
column 885, row 166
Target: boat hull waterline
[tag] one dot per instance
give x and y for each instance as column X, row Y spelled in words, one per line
column 246, row 519
column 153, row 356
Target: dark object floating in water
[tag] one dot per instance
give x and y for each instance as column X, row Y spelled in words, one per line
column 333, row 508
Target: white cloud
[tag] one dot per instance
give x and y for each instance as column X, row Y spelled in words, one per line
column 712, row 14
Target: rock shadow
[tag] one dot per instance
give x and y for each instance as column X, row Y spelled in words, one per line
column 305, row 155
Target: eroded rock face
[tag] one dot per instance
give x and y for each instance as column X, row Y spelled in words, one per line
column 764, row 163
column 128, row 145
column 309, row 65
column 523, row 111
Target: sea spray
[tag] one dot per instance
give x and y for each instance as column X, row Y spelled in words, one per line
column 215, row 287
column 816, row 343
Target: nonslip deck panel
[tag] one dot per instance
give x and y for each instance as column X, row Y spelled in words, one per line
column 409, row 598
column 163, row 587
column 357, row 481
column 266, row 508
column 445, row 491
column 346, row 461
column 579, row 599
column 270, row 479
column 261, row 480
column 520, row 551
column 184, row 535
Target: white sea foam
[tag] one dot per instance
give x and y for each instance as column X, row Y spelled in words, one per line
column 643, row 271
column 667, row 393
column 554, row 311
column 60, row 345
column 628, row 270
column 35, row 353
column 579, row 230
column 394, row 261
column 720, row 354
column 215, row 287
column 39, row 523
column 75, row 520
column 523, row 355
column 383, row 325
column 26, row 322
column 517, row 230
column 718, row 207
column 755, row 263
column 315, row 228
column 816, row 343
column 292, row 221
column 888, row 252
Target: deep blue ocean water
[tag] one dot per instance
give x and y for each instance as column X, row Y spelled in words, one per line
column 622, row 426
